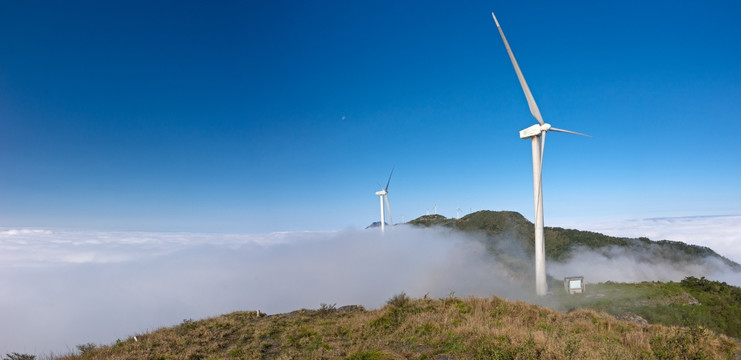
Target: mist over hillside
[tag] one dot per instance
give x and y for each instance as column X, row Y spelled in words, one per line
column 603, row 258
column 63, row 288
column 719, row 232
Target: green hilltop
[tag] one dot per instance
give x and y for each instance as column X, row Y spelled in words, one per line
column 498, row 226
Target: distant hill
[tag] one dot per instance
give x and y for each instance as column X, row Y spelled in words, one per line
column 498, row 226
column 376, row 224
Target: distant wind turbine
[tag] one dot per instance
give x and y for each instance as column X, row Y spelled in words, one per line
column 384, row 195
column 535, row 133
column 458, row 212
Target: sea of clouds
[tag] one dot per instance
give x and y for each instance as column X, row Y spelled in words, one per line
column 720, row 233
column 64, row 288
column 59, row 289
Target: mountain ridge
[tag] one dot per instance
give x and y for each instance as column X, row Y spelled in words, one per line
column 560, row 243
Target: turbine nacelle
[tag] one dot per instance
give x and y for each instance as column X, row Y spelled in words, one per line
column 381, row 192
column 534, row 130
column 538, row 129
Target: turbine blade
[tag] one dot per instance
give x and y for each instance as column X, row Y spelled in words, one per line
column 542, row 150
column 538, row 191
column 388, row 208
column 389, row 182
column 530, row 100
column 569, row 132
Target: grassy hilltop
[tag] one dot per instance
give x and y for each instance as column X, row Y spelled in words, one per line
column 448, row 328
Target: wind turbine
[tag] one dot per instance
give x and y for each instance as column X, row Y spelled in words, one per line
column 384, row 194
column 535, row 133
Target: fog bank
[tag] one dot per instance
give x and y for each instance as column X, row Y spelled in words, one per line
column 720, row 233
column 60, row 288
column 64, row 288
column 619, row 264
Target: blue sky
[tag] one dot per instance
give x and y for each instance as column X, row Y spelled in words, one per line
column 256, row 117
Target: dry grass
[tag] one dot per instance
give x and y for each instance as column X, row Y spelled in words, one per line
column 449, row 328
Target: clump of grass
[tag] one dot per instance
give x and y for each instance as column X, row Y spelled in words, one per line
column 17, row 356
column 84, row 348
column 369, row 355
column 399, row 300
column 325, row 309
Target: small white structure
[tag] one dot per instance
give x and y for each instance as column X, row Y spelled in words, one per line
column 574, row 285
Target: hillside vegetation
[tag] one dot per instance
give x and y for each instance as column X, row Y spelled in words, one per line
column 560, row 243
column 692, row 302
column 448, row 328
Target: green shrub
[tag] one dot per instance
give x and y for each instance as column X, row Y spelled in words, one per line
column 399, row 300
column 368, row 355
column 17, row 356
column 84, row 348
column 325, row 309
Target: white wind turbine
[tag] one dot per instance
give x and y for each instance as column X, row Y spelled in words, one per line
column 535, row 133
column 384, row 195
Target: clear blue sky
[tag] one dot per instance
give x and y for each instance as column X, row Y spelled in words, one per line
column 273, row 116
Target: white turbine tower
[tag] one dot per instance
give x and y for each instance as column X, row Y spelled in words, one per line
column 535, row 133
column 384, row 195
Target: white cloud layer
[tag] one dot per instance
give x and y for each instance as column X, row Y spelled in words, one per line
column 720, row 233
column 61, row 289
column 619, row 264
column 64, row 288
